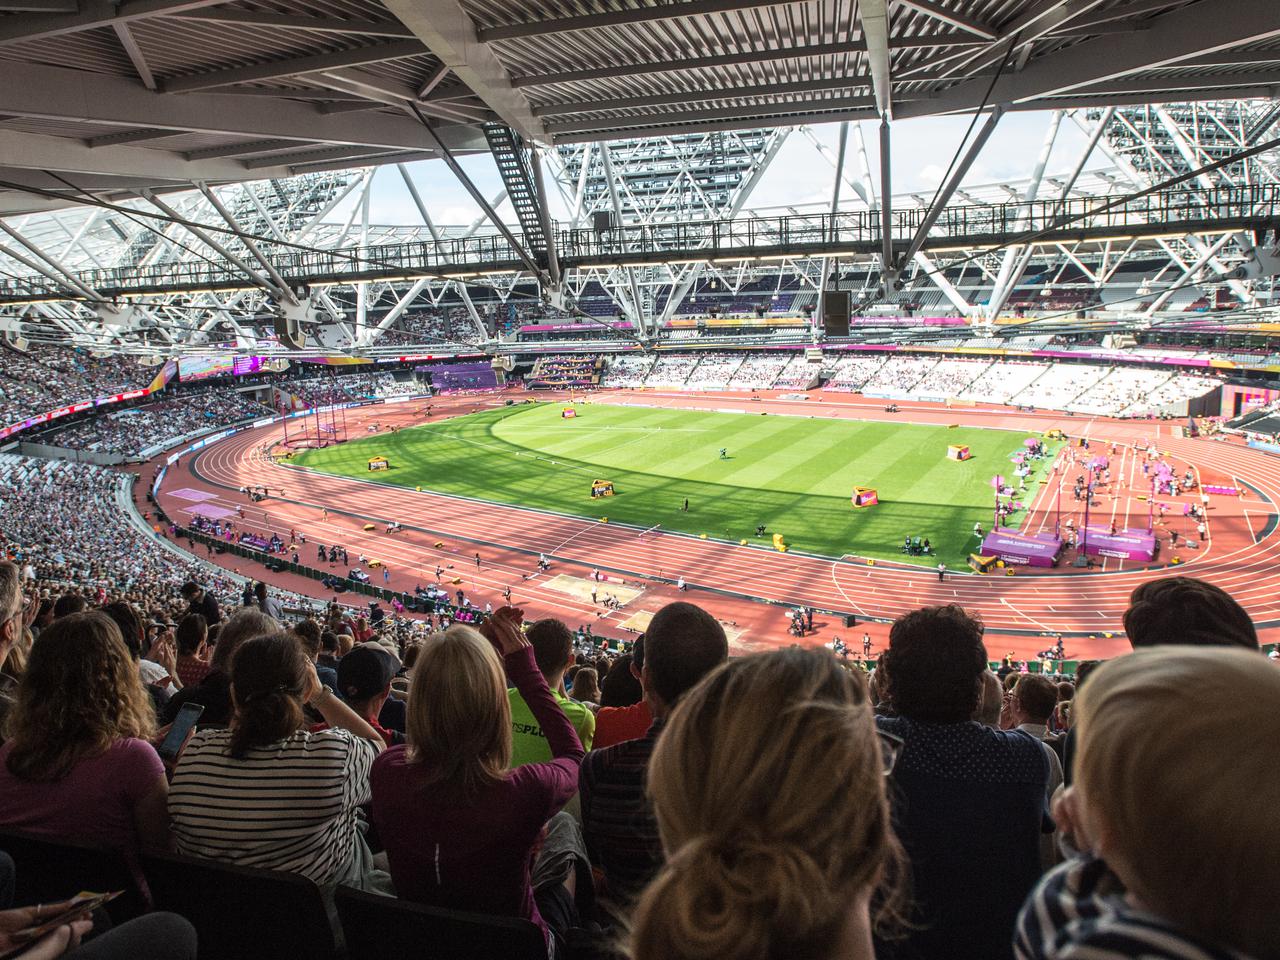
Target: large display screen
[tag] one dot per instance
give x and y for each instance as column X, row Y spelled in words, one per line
column 202, row 368
column 243, row 365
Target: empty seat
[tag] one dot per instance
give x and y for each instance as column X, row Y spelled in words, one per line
column 241, row 913
column 377, row 928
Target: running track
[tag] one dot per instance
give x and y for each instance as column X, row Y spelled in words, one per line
column 739, row 583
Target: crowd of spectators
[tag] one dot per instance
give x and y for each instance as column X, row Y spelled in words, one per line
column 45, row 378
column 690, row 805
column 139, row 428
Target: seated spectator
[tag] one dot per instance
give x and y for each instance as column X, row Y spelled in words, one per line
column 1181, row 611
column 683, row 643
column 364, row 682
column 991, row 702
column 201, row 601
column 67, row 604
column 968, row 801
column 309, row 635
column 328, row 656
column 628, row 722
column 1030, row 707
column 268, row 793
column 79, row 763
column 161, row 678
column 1175, row 811
column 586, row 690
column 620, row 687
column 776, row 846
column 1187, row 612
column 266, row 603
column 11, row 610
column 214, row 691
column 553, row 652
column 192, row 638
column 459, row 823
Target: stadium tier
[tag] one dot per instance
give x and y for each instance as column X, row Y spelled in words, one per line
column 639, row 479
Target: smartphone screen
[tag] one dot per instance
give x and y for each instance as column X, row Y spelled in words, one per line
column 177, row 735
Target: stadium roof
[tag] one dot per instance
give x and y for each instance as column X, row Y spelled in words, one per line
column 117, row 95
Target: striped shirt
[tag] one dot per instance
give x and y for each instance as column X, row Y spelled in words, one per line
column 1079, row 912
column 290, row 806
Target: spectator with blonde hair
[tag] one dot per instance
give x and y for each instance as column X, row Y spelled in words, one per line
column 768, row 784
column 459, row 827
column 1174, row 803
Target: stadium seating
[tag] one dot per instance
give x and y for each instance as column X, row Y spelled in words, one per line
column 240, row 913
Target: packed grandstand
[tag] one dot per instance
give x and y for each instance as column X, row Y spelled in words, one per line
column 637, row 480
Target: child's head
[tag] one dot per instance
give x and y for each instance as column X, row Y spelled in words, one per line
column 1177, row 787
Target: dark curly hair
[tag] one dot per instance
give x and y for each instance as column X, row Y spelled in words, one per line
column 1187, row 612
column 934, row 664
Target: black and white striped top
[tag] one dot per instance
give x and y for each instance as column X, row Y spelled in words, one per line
column 1079, row 912
column 290, row 806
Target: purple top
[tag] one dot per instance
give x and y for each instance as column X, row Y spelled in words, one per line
column 474, row 851
column 94, row 803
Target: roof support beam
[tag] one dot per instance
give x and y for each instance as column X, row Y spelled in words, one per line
column 33, row 90
column 694, row 96
column 639, row 125
column 252, row 247
column 90, row 15
column 40, row 6
column 360, row 56
column 281, row 21
column 450, row 34
column 950, row 17
column 958, row 174
column 614, row 18
column 141, row 135
column 874, row 15
column 1182, row 35
column 135, row 55
column 749, row 56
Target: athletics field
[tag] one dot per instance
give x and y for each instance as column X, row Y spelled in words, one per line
column 793, row 474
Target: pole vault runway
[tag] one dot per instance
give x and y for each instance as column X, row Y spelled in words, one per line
column 742, row 585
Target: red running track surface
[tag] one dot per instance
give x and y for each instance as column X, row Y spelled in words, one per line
column 748, row 588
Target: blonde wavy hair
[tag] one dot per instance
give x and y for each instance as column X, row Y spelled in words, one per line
column 80, row 693
column 768, row 787
column 459, row 718
column 1176, row 765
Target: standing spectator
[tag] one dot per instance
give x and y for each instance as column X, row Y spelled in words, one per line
column 553, row 652
column 768, row 787
column 459, row 822
column 268, row 793
column 968, row 801
column 617, row 723
column 201, row 601
column 682, row 645
column 1180, row 834
column 79, row 763
column 267, row 604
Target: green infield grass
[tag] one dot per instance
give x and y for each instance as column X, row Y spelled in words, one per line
column 793, row 474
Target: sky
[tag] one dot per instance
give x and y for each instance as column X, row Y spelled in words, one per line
column 922, row 150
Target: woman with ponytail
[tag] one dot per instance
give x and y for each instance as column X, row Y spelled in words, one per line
column 768, row 788
column 266, row 792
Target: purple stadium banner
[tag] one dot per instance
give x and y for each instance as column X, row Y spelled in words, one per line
column 1123, row 544
column 1022, row 549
